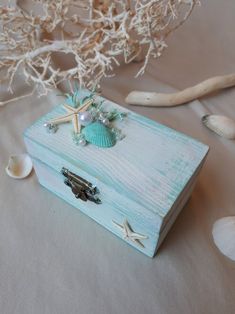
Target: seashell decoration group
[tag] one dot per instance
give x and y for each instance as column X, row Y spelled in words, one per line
column 91, row 123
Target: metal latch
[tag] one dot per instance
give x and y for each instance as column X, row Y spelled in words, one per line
column 80, row 187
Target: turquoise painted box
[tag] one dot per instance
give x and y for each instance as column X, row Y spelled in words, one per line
column 142, row 182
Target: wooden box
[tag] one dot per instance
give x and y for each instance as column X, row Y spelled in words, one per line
column 144, row 180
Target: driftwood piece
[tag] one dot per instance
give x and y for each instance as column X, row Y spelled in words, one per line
column 140, row 98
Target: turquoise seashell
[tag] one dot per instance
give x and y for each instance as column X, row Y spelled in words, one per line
column 98, row 134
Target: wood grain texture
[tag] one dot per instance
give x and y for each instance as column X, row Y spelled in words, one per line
column 144, row 174
column 113, row 207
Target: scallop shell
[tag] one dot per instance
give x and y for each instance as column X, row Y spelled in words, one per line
column 224, row 236
column 19, row 166
column 98, row 134
column 221, row 125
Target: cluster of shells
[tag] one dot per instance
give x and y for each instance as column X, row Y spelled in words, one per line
column 98, row 129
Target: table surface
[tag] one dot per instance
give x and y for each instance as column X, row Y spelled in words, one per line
column 54, row 259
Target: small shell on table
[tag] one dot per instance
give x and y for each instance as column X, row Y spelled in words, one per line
column 19, row 166
column 221, row 125
column 224, row 236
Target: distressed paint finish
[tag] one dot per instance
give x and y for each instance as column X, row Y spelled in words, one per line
column 140, row 178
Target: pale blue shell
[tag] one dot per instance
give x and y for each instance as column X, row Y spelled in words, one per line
column 98, row 134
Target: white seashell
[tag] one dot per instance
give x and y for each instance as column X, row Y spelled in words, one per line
column 224, row 236
column 19, row 166
column 221, row 125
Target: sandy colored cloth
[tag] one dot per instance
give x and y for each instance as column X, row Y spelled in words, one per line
column 55, row 260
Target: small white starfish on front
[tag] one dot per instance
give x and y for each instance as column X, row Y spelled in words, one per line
column 72, row 115
column 130, row 234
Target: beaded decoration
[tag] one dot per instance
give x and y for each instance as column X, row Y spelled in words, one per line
column 91, row 122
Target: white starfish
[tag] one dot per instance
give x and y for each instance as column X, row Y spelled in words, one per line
column 72, row 115
column 130, row 234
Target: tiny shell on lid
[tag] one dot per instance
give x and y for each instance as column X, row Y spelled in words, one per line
column 19, row 166
column 98, row 134
column 221, row 125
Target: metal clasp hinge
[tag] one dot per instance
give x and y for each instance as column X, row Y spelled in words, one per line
column 80, row 187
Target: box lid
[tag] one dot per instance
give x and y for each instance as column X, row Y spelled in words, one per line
column 151, row 165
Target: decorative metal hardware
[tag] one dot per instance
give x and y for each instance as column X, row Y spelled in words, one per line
column 80, row 187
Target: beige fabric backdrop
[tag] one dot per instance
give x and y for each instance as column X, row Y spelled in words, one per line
column 54, row 260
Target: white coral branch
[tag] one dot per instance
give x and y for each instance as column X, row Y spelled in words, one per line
column 93, row 33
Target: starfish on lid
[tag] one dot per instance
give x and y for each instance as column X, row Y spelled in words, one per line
column 130, row 234
column 72, row 115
